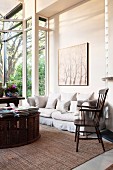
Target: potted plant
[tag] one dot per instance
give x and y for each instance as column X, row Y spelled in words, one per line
column 11, row 90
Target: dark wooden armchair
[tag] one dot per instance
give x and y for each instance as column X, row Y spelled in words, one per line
column 95, row 114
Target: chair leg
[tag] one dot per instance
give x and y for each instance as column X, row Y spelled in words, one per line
column 100, row 138
column 77, row 137
column 97, row 134
column 76, row 133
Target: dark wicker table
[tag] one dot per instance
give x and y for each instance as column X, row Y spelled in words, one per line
column 19, row 128
column 8, row 100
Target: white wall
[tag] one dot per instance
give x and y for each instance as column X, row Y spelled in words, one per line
column 109, row 121
column 81, row 24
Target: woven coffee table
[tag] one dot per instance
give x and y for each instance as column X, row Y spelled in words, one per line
column 18, row 127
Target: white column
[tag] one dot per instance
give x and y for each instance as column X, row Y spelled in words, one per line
column 24, row 55
column 106, row 40
column 35, row 53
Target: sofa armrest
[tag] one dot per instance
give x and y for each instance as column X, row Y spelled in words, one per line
column 31, row 101
column 37, row 101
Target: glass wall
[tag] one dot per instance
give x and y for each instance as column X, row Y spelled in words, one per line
column 29, row 63
column 11, row 52
column 13, row 60
column 1, row 49
column 11, row 42
column 42, row 55
column 1, row 60
column 42, row 61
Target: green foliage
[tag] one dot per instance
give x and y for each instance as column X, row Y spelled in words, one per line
column 29, row 81
column 42, row 76
column 16, row 78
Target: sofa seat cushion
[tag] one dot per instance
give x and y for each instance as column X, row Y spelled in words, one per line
column 46, row 112
column 64, row 116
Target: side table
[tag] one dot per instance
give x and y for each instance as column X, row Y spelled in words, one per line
column 9, row 100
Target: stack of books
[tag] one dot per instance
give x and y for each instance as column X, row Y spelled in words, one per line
column 6, row 111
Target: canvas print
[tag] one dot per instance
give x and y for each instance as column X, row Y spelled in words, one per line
column 73, row 65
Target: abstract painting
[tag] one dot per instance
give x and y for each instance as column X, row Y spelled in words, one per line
column 73, row 65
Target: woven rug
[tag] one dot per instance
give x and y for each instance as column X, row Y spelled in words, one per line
column 110, row 167
column 55, row 150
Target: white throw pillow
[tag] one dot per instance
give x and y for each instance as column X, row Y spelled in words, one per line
column 51, row 103
column 41, row 101
column 62, row 106
column 74, row 108
column 52, row 99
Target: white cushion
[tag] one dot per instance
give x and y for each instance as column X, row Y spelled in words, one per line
column 85, row 104
column 89, row 114
column 68, row 96
column 31, row 101
column 46, row 112
column 62, row 106
column 52, row 99
column 51, row 103
column 41, row 101
column 65, row 116
column 73, row 108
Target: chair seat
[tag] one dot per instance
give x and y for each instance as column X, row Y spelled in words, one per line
column 88, row 123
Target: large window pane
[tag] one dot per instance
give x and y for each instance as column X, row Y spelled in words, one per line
column 13, row 25
column 29, row 63
column 42, row 61
column 11, row 48
column 1, row 61
column 1, row 25
column 14, row 62
column 17, row 15
column 29, row 23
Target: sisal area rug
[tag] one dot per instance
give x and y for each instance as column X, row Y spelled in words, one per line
column 55, row 150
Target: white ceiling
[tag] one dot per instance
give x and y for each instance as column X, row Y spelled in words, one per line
column 7, row 5
column 59, row 6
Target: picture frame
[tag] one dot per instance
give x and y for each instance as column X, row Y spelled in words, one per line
column 73, row 65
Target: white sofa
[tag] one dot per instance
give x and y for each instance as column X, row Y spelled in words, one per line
column 60, row 110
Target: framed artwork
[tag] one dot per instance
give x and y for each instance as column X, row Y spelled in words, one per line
column 73, row 65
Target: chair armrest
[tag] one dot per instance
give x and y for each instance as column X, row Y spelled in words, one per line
column 90, row 110
column 86, row 106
